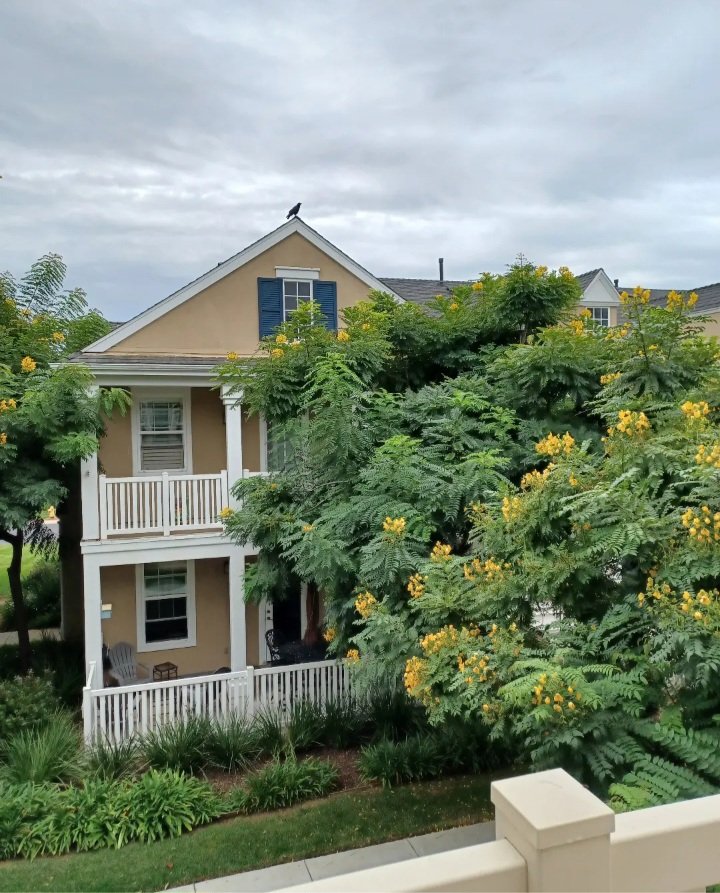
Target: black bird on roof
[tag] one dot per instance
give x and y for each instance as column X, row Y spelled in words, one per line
column 294, row 211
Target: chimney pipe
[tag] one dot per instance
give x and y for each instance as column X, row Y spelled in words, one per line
column 616, row 282
column 441, row 264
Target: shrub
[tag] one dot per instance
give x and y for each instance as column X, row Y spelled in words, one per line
column 112, row 760
column 397, row 762
column 305, row 725
column 43, row 754
column 181, row 745
column 40, row 819
column 268, row 726
column 233, row 743
column 25, row 702
column 345, row 722
column 392, row 715
column 41, row 588
column 62, row 662
column 281, row 784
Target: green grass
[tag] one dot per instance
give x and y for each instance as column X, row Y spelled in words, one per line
column 340, row 822
column 29, row 562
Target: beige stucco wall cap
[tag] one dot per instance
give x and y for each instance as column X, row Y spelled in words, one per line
column 551, row 809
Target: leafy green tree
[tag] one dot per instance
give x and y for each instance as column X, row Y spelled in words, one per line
column 49, row 416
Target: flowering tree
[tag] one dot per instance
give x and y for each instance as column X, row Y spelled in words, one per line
column 49, row 418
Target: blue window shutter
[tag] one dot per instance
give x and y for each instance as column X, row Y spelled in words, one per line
column 270, row 305
column 325, row 295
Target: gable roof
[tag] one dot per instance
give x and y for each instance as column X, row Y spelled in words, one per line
column 584, row 279
column 708, row 296
column 296, row 225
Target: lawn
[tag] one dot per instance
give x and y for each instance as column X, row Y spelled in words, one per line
column 29, row 562
column 342, row 821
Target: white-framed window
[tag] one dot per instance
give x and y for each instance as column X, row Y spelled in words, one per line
column 601, row 315
column 165, row 605
column 161, row 432
column 295, row 291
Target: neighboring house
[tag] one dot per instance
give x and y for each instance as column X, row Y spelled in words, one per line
column 156, row 569
column 708, row 303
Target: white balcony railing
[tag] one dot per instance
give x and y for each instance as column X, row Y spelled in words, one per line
column 161, row 503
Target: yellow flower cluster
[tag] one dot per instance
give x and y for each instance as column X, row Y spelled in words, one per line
column 27, row 364
column 394, row 526
column 566, row 273
column 654, row 590
column 695, row 412
column 488, row 569
column 703, row 526
column 555, row 694
column 353, row 656
column 619, row 332
column 446, row 637
column 704, row 607
column 7, row 405
column 329, row 634
column 478, row 286
column 277, row 353
column 296, row 342
column 540, row 271
column 639, row 295
column 226, row 513
column 414, row 674
column 553, row 445
column 576, row 326
column 475, row 668
column 281, row 339
column 308, row 528
column 454, row 306
column 3, row 438
column 58, row 337
column 609, row 377
column 441, row 552
column 536, row 479
column 631, row 424
column 573, row 481
column 232, row 355
column 365, row 604
column 512, row 508
column 416, row 585
column 343, row 335
column 705, row 456
column 366, row 327
column 676, row 301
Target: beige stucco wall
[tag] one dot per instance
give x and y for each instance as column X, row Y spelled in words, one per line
column 224, row 317
column 713, row 326
column 209, row 448
column 212, row 609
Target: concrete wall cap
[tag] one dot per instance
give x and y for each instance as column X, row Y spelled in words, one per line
column 551, row 809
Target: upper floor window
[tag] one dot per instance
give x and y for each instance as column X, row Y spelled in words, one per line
column 162, row 435
column 295, row 291
column 601, row 315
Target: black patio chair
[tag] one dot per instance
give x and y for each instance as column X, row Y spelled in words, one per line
column 274, row 641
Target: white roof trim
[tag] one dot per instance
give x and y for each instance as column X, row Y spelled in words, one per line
column 296, row 225
column 609, row 299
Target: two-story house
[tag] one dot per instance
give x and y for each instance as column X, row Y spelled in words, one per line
column 154, row 569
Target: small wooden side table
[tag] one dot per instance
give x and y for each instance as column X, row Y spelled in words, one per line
column 165, row 670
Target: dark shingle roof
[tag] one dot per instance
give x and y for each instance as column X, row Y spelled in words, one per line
column 708, row 296
column 420, row 291
column 112, row 359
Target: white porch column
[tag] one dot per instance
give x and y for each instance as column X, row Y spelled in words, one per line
column 233, row 439
column 236, row 588
column 89, row 496
column 93, row 624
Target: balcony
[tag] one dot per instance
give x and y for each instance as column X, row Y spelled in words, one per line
column 161, row 504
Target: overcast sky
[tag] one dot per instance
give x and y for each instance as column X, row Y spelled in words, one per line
column 146, row 140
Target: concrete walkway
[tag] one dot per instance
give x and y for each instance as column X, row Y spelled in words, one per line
column 291, row 873
column 10, row 638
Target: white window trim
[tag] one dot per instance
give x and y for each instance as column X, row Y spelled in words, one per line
column 599, row 322
column 263, row 443
column 296, row 279
column 191, row 639
column 297, row 272
column 140, row 395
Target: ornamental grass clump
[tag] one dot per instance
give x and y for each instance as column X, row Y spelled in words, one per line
column 180, row 745
column 283, row 783
column 233, row 743
column 48, row 753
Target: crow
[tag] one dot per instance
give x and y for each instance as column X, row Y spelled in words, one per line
column 294, row 211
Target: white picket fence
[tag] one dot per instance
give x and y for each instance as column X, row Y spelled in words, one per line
column 117, row 714
column 161, row 503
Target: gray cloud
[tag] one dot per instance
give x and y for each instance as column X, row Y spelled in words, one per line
column 149, row 139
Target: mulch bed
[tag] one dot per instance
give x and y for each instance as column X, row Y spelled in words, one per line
column 345, row 762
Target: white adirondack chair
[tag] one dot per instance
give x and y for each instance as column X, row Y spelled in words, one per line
column 124, row 665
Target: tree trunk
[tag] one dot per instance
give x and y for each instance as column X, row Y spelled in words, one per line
column 312, row 604
column 21, row 621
